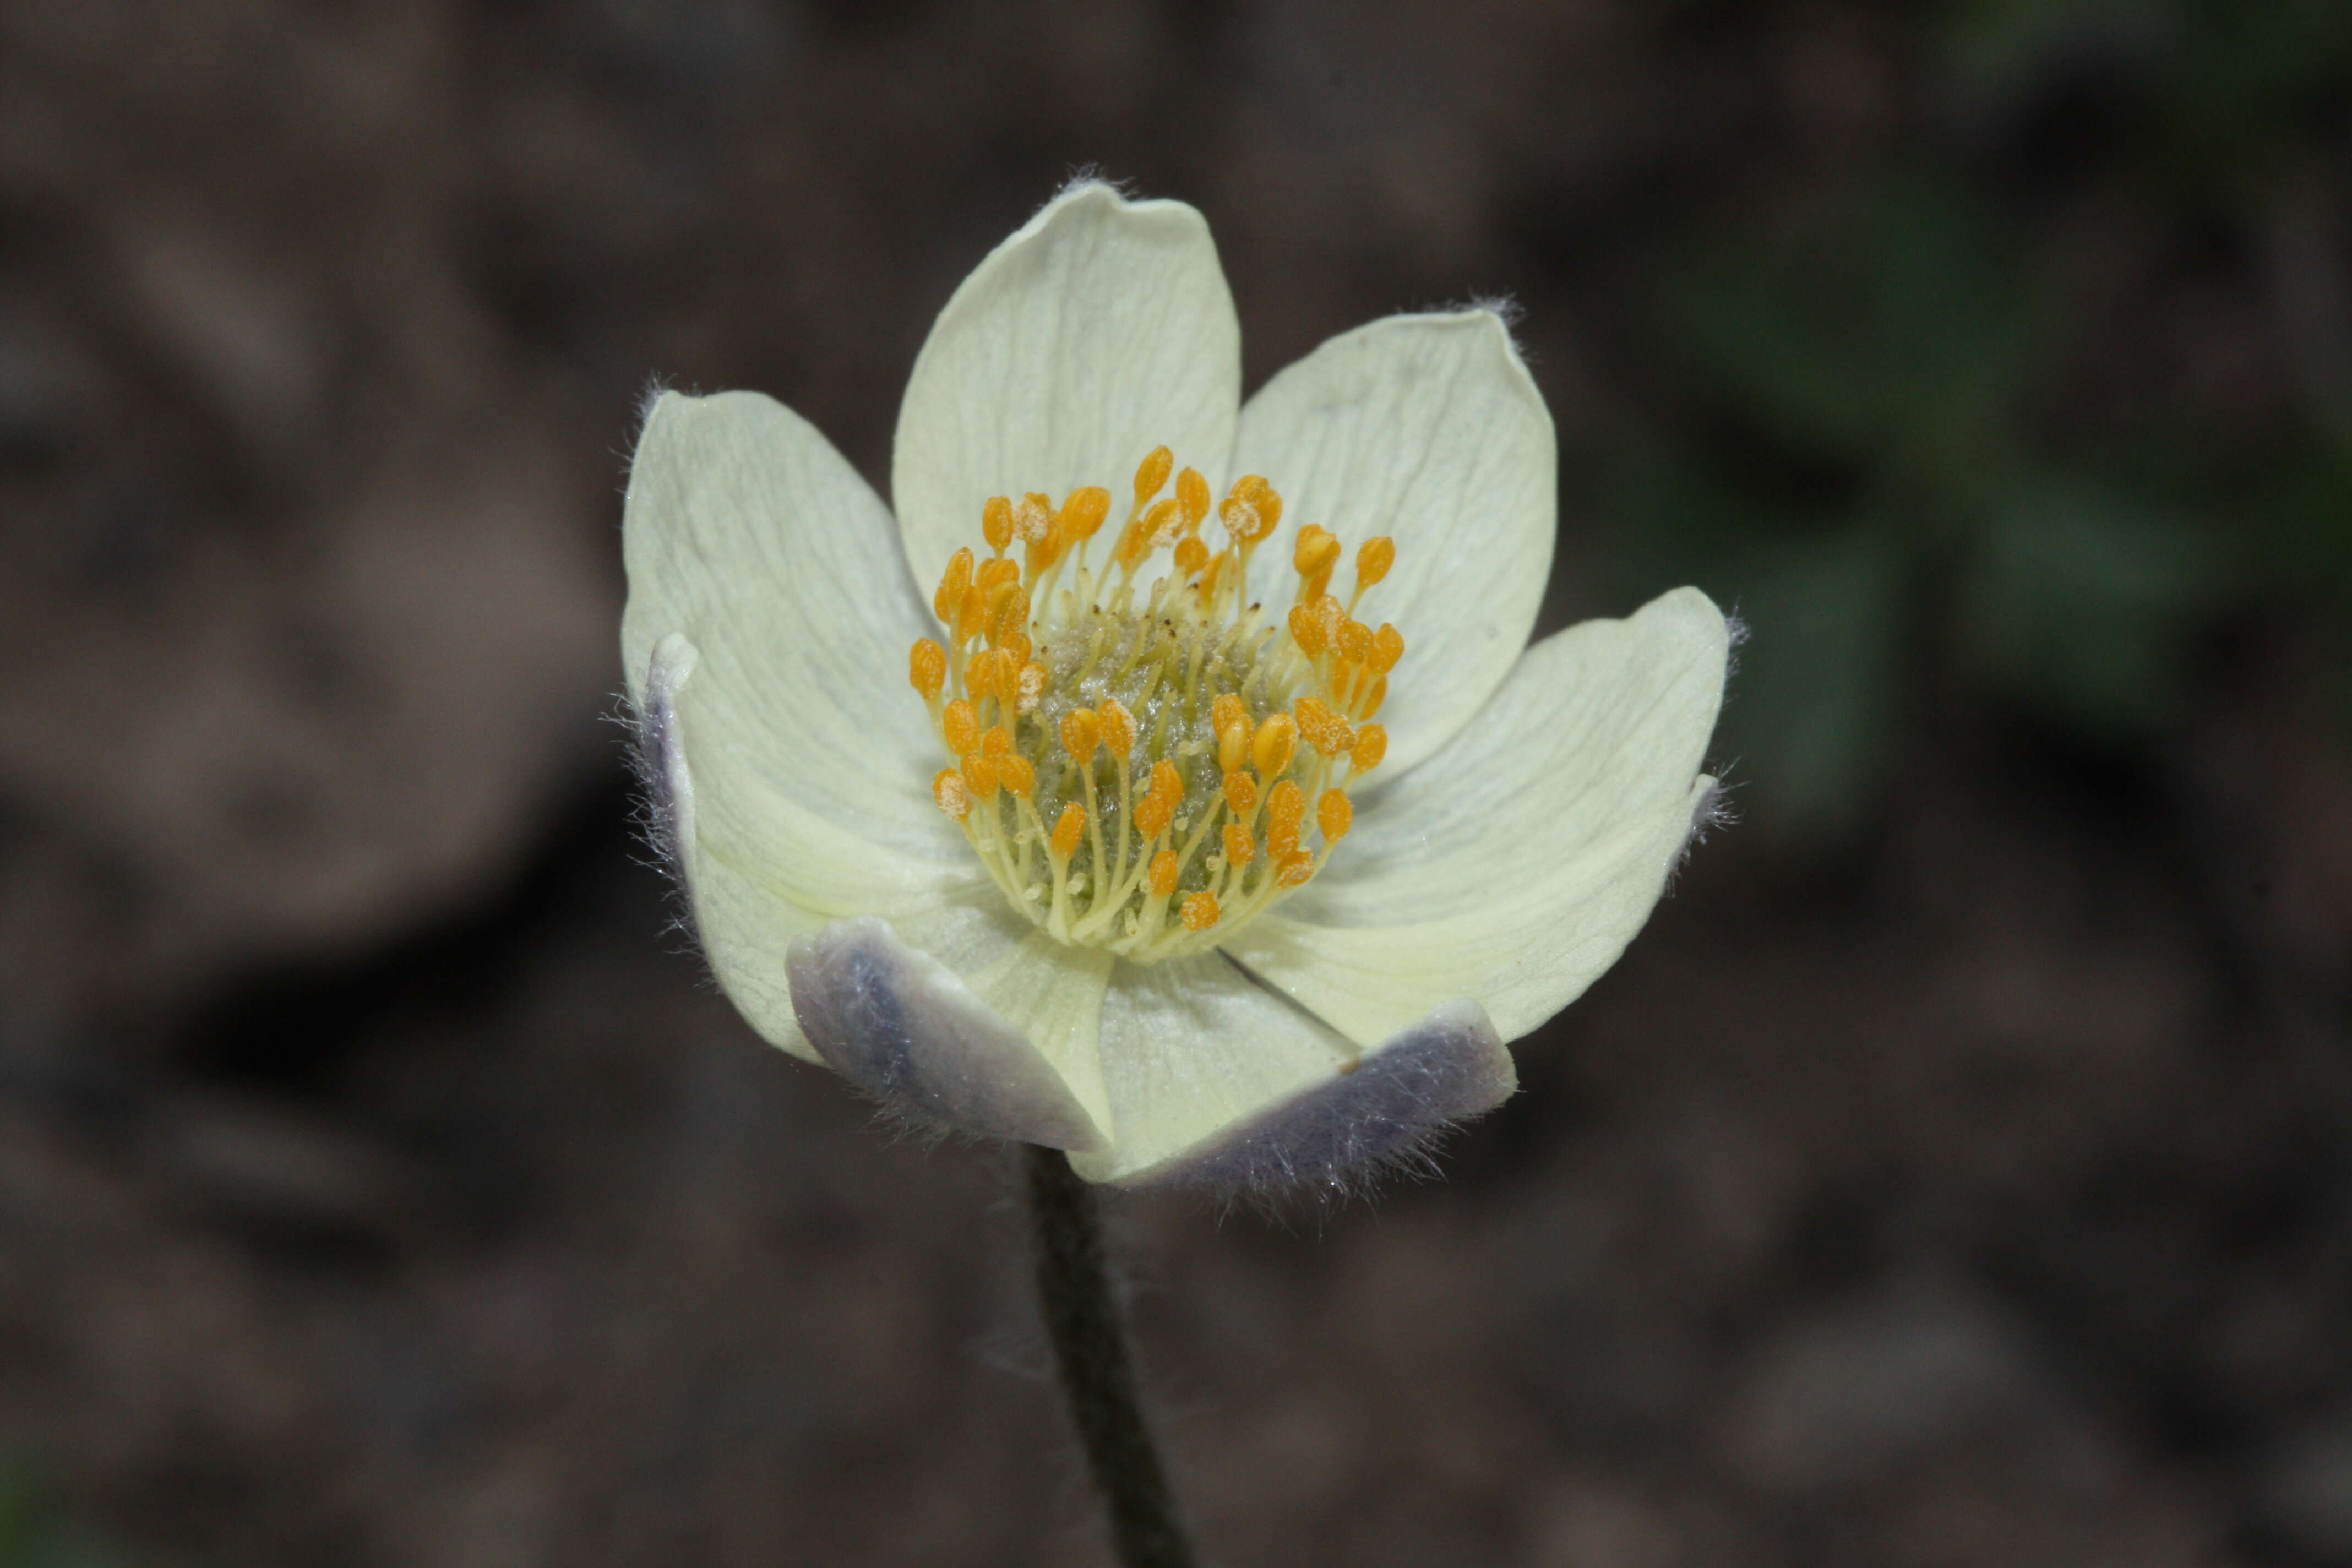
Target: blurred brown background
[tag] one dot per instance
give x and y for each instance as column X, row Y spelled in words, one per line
column 1959, row 1170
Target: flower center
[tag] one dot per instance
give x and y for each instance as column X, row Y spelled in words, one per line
column 1128, row 757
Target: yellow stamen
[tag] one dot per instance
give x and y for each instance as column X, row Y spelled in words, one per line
column 960, row 726
column 948, row 789
column 1152, row 473
column 1275, row 742
column 926, row 668
column 1325, row 730
column 1151, row 719
column 1334, row 816
column 1192, row 497
column 1240, row 793
column 951, row 586
column 1118, row 728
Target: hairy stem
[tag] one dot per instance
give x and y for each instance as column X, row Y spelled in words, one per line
column 1089, row 1336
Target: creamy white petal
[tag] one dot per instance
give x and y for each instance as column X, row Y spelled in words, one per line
column 758, row 868
column 1515, row 867
column 746, row 532
column 1101, row 329
column 1427, row 429
column 850, row 952
column 1214, row 1078
column 901, row 1024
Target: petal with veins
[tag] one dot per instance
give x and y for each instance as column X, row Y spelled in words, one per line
column 747, row 533
column 1515, row 867
column 1101, row 330
column 1426, row 429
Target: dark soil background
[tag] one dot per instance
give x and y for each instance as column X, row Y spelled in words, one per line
column 1959, row 1172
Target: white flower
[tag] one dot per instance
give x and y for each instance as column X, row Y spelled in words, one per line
column 1232, row 950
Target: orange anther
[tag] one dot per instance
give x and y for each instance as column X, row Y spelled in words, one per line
column 1167, row 783
column 1165, row 524
column 1019, row 773
column 1152, row 473
column 1081, row 733
column 1163, row 873
column 1017, row 645
column 1152, row 815
column 979, row 675
column 1239, row 847
column 995, row 574
column 1325, row 730
column 997, row 743
column 1251, row 508
column 1191, row 555
column 1028, row 686
column 1233, row 745
column 1192, row 497
column 1008, row 612
column 951, row 586
column 1355, row 640
column 1274, row 745
column 926, row 666
column 1118, row 727
column 1329, row 614
column 996, row 524
column 1242, row 519
column 1286, row 807
column 1067, row 831
column 959, row 726
column 1373, row 560
column 970, row 615
column 948, row 789
column 1307, row 630
column 1317, row 551
column 1228, row 709
column 1371, row 745
column 1083, row 514
column 1296, row 868
column 1199, row 912
column 1388, row 646
column 1033, row 519
column 979, row 775
column 1241, row 793
column 1333, row 815
column 1372, row 701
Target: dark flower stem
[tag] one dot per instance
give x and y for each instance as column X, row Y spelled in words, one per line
column 1089, row 1336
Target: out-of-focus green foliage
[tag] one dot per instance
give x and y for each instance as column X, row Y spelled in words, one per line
column 35, row 1532
column 1874, row 437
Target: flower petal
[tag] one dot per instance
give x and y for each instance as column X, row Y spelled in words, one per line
column 1100, row 329
column 1515, row 867
column 899, row 1023
column 854, row 954
column 1215, row 1079
column 757, row 869
column 1427, row 429
column 747, row 533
